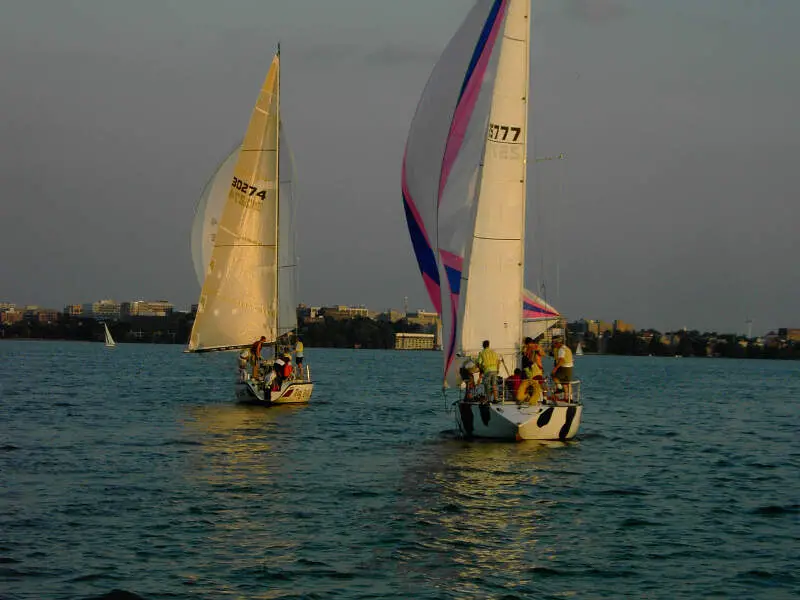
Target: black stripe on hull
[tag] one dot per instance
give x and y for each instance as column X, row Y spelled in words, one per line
column 562, row 435
column 545, row 417
column 466, row 418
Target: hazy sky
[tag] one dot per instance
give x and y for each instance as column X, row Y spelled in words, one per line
column 677, row 205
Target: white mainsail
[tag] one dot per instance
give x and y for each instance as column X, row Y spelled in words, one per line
column 110, row 343
column 238, row 302
column 494, row 277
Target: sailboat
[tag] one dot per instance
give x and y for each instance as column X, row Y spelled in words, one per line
column 110, row 343
column 243, row 248
column 464, row 180
column 579, row 350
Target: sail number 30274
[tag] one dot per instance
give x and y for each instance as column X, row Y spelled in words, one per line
column 504, row 133
column 247, row 189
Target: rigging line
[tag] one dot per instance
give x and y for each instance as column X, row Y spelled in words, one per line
column 499, row 239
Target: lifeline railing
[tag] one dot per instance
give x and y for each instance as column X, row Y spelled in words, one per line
column 549, row 392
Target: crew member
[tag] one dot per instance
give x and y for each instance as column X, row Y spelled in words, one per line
column 489, row 362
column 255, row 354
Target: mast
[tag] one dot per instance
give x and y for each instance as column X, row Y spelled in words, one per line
column 277, row 200
column 526, row 102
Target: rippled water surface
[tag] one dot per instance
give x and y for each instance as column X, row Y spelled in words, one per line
column 133, row 469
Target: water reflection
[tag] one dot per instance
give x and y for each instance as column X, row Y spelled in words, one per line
column 235, row 474
column 234, row 440
column 477, row 511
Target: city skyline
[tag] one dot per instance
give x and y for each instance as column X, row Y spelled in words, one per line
column 673, row 208
column 370, row 312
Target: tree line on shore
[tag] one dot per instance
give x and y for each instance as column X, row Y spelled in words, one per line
column 363, row 332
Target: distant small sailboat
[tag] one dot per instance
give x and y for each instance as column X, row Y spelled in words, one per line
column 579, row 350
column 243, row 247
column 110, row 343
column 464, row 181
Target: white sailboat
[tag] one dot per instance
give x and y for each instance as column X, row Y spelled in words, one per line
column 464, row 192
column 579, row 350
column 110, row 343
column 243, row 248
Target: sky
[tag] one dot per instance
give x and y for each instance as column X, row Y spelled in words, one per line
column 677, row 205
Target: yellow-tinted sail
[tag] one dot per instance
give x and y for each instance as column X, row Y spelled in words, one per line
column 238, row 302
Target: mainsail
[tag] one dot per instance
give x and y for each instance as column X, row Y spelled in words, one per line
column 209, row 211
column 238, row 302
column 464, row 178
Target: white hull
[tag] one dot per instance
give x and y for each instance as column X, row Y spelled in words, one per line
column 516, row 422
column 293, row 392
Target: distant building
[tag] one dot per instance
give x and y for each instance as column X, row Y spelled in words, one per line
column 102, row 309
column 581, row 326
column 791, row 335
column 143, row 308
column 10, row 316
column 308, row 314
column 598, row 328
column 623, row 327
column 414, row 341
column 422, row 318
column 73, row 310
column 390, row 316
column 47, row 315
column 341, row 312
column 7, row 306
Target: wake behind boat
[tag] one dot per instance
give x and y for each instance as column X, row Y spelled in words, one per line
column 243, row 247
column 464, row 193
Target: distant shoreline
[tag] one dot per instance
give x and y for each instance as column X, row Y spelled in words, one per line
column 367, row 333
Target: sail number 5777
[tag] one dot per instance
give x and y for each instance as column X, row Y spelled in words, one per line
column 504, row 133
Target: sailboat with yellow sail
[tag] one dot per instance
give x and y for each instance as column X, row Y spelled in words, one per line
column 243, row 246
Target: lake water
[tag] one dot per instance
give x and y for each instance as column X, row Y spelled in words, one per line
column 133, row 469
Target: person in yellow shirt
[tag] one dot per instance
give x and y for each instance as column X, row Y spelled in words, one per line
column 298, row 356
column 489, row 363
column 562, row 369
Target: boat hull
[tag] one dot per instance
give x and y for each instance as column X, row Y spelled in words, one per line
column 517, row 422
column 294, row 392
